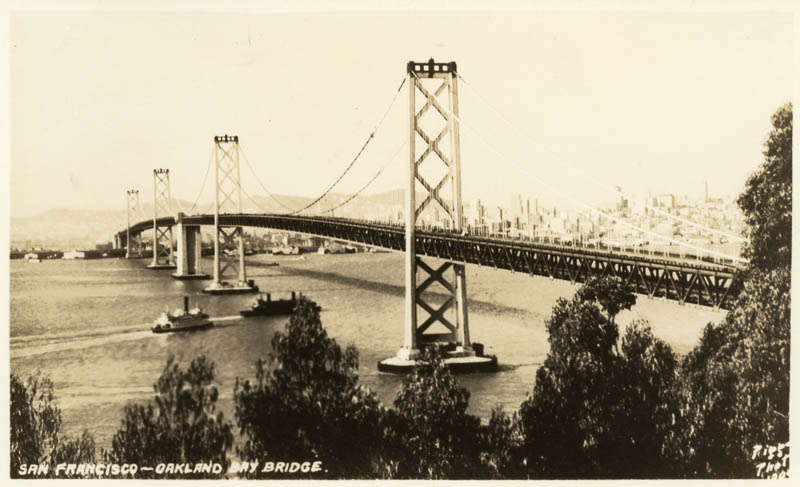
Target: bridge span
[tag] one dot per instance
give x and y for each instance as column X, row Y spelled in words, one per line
column 684, row 280
column 432, row 95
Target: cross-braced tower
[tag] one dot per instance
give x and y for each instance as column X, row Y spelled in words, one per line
column 433, row 170
column 163, row 257
column 228, row 238
column 132, row 199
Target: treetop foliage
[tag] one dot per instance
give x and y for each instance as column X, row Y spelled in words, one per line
column 306, row 402
column 610, row 293
column 433, row 436
column 737, row 377
column 182, row 426
column 35, row 421
column 767, row 198
column 597, row 410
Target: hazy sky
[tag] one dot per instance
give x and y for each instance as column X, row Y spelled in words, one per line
column 655, row 102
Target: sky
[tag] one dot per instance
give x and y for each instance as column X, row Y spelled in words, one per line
column 560, row 106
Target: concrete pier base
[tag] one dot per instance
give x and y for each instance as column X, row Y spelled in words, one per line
column 457, row 362
column 189, row 252
column 190, row 277
column 228, row 288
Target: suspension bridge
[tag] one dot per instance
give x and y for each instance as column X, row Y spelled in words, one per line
column 680, row 271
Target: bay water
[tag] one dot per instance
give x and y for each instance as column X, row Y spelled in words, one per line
column 86, row 324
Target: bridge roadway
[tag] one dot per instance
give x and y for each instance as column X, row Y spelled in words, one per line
column 674, row 278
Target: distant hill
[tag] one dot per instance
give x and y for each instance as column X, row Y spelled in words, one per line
column 63, row 229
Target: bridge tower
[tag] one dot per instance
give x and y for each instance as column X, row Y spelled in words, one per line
column 132, row 199
column 228, row 236
column 438, row 85
column 163, row 257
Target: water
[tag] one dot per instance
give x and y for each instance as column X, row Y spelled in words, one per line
column 86, row 324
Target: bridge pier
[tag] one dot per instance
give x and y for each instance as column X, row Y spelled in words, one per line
column 229, row 200
column 460, row 355
column 189, row 251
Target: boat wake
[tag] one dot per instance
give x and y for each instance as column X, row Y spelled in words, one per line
column 21, row 347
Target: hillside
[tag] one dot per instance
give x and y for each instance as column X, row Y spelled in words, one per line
column 64, row 229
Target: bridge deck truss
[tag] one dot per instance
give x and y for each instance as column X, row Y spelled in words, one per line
column 703, row 284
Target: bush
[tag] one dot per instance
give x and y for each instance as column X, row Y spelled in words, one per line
column 309, row 405
column 181, row 427
column 35, row 421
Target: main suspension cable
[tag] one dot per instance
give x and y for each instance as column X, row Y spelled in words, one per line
column 263, row 186
column 585, row 205
column 593, row 180
column 357, row 193
column 205, row 178
column 358, row 155
column 255, row 203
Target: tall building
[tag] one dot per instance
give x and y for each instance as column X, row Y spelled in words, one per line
column 528, row 213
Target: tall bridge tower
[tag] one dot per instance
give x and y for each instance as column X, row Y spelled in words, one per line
column 163, row 257
column 435, row 168
column 228, row 199
column 134, row 209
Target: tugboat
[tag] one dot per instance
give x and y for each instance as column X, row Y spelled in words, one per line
column 267, row 307
column 182, row 320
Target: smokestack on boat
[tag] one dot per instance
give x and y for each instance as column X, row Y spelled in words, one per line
column 186, row 304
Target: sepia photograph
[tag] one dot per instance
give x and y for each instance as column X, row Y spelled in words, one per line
column 399, row 241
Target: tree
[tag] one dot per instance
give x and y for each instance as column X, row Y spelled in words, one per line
column 433, row 437
column 181, row 427
column 309, row 404
column 35, row 421
column 502, row 439
column 596, row 412
column 649, row 406
column 611, row 294
column 737, row 380
column 736, row 394
column 564, row 421
column 767, row 199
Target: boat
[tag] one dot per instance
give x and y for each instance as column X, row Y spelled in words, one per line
column 265, row 306
column 182, row 320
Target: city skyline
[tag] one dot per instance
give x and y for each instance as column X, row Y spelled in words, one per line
column 650, row 102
